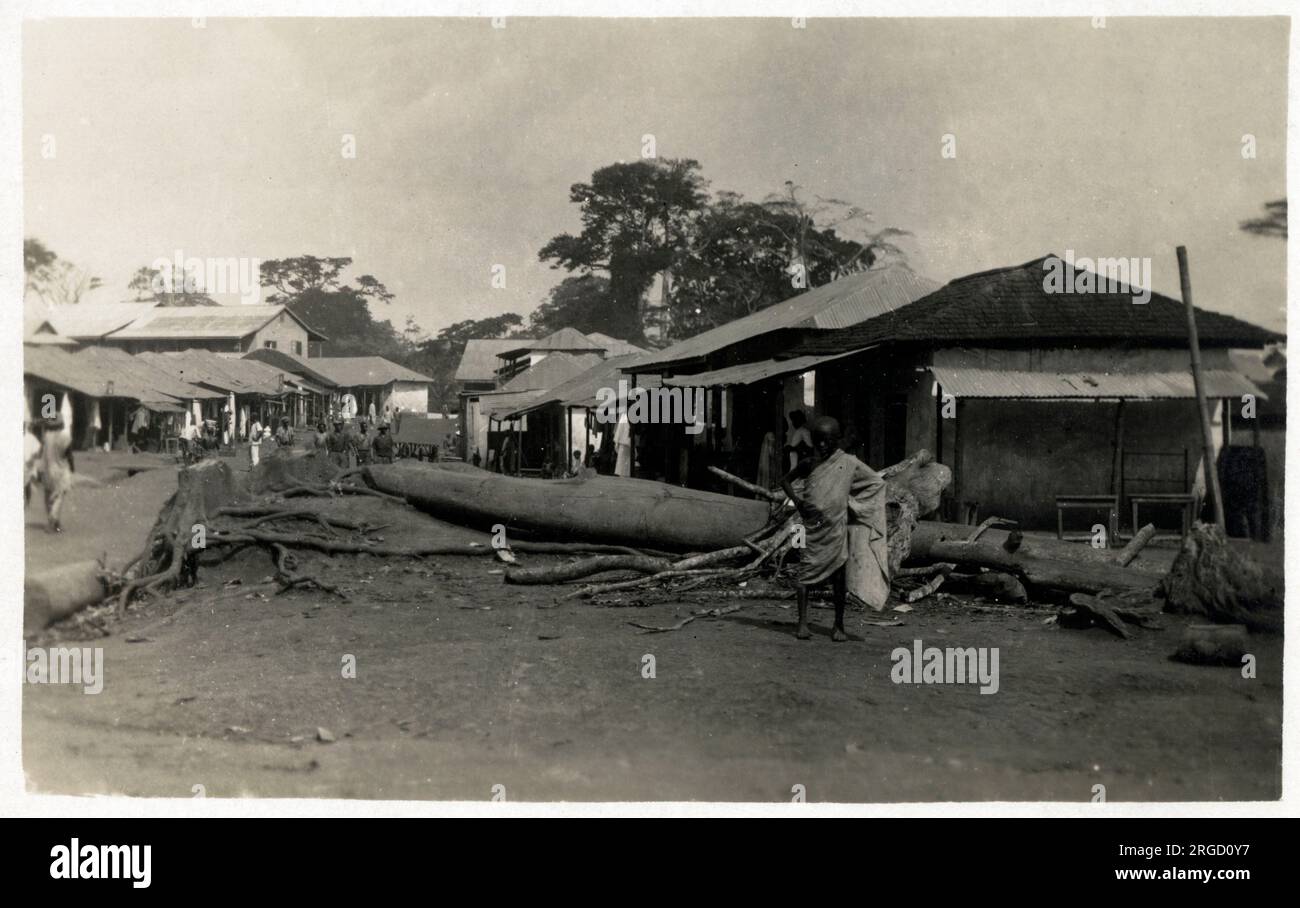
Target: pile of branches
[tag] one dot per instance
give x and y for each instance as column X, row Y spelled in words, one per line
column 914, row 487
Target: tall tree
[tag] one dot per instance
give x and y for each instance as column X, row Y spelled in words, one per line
column 636, row 219
column 580, row 302
column 314, row 289
column 745, row 256
column 154, row 285
column 56, row 281
column 1273, row 223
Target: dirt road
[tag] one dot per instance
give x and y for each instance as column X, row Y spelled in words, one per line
column 462, row 684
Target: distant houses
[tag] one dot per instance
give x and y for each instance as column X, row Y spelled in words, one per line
column 141, row 327
column 497, row 377
column 144, row 371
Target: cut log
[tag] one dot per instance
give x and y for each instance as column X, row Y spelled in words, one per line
column 1135, row 545
column 55, row 594
column 1066, row 567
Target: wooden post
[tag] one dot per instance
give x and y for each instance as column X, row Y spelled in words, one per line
column 1207, row 434
column 1117, row 478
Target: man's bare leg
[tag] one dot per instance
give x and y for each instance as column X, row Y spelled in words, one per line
column 803, row 633
column 839, row 591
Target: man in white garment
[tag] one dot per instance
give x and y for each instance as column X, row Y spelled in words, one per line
column 255, row 442
column 623, row 447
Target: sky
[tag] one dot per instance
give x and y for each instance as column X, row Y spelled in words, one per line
column 227, row 140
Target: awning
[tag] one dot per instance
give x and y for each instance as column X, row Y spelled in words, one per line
column 159, row 406
column 503, row 405
column 1009, row 384
column 748, row 373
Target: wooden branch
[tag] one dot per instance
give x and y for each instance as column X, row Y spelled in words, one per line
column 1135, row 545
column 748, row 486
column 707, row 613
column 925, row 589
column 585, row 567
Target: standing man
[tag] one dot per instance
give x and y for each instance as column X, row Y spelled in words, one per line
column 383, row 446
column 284, row 434
column 255, row 442
column 56, row 464
column 623, row 447
column 337, row 444
column 835, row 485
column 32, row 448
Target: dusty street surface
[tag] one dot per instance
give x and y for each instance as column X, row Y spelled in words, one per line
column 463, row 683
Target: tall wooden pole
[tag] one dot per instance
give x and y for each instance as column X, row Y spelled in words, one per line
column 1207, row 434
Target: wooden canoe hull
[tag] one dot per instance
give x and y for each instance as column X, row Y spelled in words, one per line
column 600, row 509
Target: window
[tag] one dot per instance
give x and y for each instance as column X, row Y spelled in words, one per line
column 270, row 345
column 297, row 348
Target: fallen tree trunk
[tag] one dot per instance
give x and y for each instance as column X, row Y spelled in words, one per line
column 1065, row 570
column 59, row 592
column 601, row 508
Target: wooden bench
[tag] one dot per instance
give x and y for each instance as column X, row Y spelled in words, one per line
column 1109, row 503
column 1185, row 502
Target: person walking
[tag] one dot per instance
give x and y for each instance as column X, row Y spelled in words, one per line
column 254, row 442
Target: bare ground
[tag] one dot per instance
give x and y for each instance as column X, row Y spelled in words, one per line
column 463, row 683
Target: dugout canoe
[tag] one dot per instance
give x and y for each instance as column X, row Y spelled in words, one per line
column 599, row 509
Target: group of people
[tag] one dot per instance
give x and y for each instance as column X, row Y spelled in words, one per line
column 279, row 438
column 347, row 447
column 47, row 460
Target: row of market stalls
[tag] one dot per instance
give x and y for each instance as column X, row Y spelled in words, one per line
column 1062, row 410
column 116, row 399
column 145, row 399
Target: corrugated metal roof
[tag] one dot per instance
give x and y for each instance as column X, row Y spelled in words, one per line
column 1012, row 304
column 479, row 361
column 90, row 321
column 555, row 369
column 852, row 299
column 568, row 339
column 292, row 365
column 612, row 345
column 204, row 322
column 748, row 373
column 224, row 373
column 582, row 389
column 90, row 372
column 144, row 373
column 363, row 371
column 1002, row 383
column 500, row 404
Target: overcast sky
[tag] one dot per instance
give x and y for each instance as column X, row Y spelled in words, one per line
column 227, row 140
